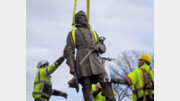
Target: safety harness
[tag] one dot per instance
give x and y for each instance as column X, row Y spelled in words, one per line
column 88, row 17
column 147, row 80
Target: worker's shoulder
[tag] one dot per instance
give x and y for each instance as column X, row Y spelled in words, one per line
column 52, row 65
column 152, row 71
column 41, row 70
column 93, row 85
column 137, row 71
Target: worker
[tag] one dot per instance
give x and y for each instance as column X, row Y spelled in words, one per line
column 98, row 93
column 91, row 70
column 142, row 79
column 42, row 84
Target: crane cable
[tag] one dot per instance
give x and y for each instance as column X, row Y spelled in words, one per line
column 88, row 17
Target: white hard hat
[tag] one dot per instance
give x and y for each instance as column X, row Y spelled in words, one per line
column 42, row 62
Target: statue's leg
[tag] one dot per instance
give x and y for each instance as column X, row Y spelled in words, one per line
column 86, row 88
column 107, row 88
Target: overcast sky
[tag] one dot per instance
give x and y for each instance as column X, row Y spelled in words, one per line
column 126, row 24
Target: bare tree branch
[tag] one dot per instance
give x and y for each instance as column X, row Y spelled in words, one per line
column 126, row 62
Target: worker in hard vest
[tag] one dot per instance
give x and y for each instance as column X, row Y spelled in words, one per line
column 142, row 79
column 98, row 93
column 42, row 84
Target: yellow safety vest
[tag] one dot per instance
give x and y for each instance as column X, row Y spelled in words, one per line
column 42, row 83
column 99, row 97
column 137, row 78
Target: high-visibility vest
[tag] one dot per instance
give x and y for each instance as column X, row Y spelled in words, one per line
column 137, row 78
column 99, row 97
column 42, row 83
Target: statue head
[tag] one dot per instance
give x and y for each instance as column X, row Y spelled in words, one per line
column 81, row 19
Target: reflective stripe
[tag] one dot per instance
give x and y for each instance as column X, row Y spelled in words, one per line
column 98, row 85
column 42, row 82
column 141, row 88
column 144, row 79
column 47, row 71
column 94, row 88
column 39, row 100
column 138, row 90
column 39, row 80
column 44, row 94
column 129, row 80
column 39, row 75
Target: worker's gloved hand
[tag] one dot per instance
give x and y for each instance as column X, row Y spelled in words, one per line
column 119, row 81
column 65, row 95
column 114, row 81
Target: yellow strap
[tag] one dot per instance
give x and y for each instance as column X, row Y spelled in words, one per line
column 73, row 26
column 94, row 35
column 88, row 17
column 88, row 11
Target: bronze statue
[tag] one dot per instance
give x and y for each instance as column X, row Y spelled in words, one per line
column 91, row 71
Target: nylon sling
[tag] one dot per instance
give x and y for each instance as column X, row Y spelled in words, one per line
column 88, row 17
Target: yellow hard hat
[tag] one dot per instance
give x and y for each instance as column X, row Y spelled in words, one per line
column 145, row 57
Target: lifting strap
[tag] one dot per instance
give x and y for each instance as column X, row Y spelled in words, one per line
column 88, row 17
column 88, row 11
column 73, row 25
